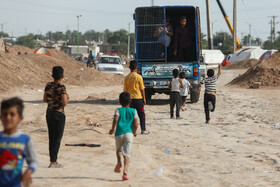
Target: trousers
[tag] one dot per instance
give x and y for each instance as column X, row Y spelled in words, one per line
column 56, row 124
column 175, row 99
column 209, row 98
column 138, row 104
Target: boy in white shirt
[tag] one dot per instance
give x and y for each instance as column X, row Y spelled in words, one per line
column 184, row 92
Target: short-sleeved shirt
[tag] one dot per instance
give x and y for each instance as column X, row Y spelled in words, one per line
column 14, row 149
column 185, row 91
column 125, row 121
column 210, row 83
column 133, row 84
column 54, row 94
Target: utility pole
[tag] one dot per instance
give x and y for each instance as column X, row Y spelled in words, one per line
column 234, row 25
column 128, row 41
column 78, row 34
column 2, row 26
column 209, row 26
column 152, row 1
column 271, row 28
column 250, row 35
column 273, row 24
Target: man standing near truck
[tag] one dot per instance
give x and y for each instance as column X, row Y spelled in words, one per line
column 133, row 84
column 183, row 41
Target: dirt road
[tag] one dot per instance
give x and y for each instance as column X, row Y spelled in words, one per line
column 238, row 148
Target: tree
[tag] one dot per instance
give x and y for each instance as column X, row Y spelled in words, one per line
column 3, row 35
column 223, row 41
column 204, row 42
column 27, row 41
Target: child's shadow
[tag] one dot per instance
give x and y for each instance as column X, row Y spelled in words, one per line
column 158, row 102
column 78, row 178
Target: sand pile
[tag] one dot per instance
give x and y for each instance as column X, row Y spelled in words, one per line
column 35, row 70
column 266, row 72
column 245, row 64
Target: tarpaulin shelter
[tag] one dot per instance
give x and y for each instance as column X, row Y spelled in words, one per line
column 42, row 51
column 268, row 54
column 226, row 61
column 246, row 54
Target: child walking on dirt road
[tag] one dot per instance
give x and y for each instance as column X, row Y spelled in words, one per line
column 125, row 119
column 184, row 92
column 210, row 91
column 174, row 86
column 57, row 98
column 133, row 84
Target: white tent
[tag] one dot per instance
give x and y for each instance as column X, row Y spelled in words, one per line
column 213, row 58
column 246, row 54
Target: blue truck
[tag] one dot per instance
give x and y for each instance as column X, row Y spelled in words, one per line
column 156, row 60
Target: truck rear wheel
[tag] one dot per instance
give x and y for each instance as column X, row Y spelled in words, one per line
column 194, row 98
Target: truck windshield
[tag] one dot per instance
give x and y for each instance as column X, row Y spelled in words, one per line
column 109, row 60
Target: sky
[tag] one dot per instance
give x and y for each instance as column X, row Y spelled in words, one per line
column 19, row 17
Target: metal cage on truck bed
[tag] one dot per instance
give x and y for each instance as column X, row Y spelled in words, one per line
column 147, row 19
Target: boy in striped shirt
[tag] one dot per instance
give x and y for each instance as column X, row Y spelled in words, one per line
column 210, row 91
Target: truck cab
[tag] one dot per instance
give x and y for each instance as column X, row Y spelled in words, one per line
column 155, row 56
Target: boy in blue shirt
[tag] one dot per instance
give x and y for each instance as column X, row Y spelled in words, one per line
column 15, row 147
column 125, row 119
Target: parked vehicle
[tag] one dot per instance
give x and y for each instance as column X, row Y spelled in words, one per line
column 110, row 64
column 155, row 61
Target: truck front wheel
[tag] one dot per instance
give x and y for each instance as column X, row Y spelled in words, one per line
column 194, row 98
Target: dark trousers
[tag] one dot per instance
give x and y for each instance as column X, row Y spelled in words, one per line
column 185, row 54
column 138, row 104
column 56, row 123
column 207, row 98
column 175, row 98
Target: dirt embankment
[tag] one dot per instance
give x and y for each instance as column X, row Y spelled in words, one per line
column 245, row 64
column 35, row 70
column 265, row 72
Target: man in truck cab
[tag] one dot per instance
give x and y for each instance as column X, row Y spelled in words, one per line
column 183, row 41
column 160, row 34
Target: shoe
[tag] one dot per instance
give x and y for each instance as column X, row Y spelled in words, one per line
column 210, row 106
column 182, row 109
column 125, row 177
column 179, row 118
column 207, row 122
column 145, row 132
column 56, row 166
column 172, row 118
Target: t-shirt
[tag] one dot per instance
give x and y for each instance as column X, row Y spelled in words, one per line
column 91, row 56
column 175, row 85
column 185, row 91
column 165, row 40
column 125, row 121
column 133, row 84
column 54, row 92
column 14, row 149
column 210, row 83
